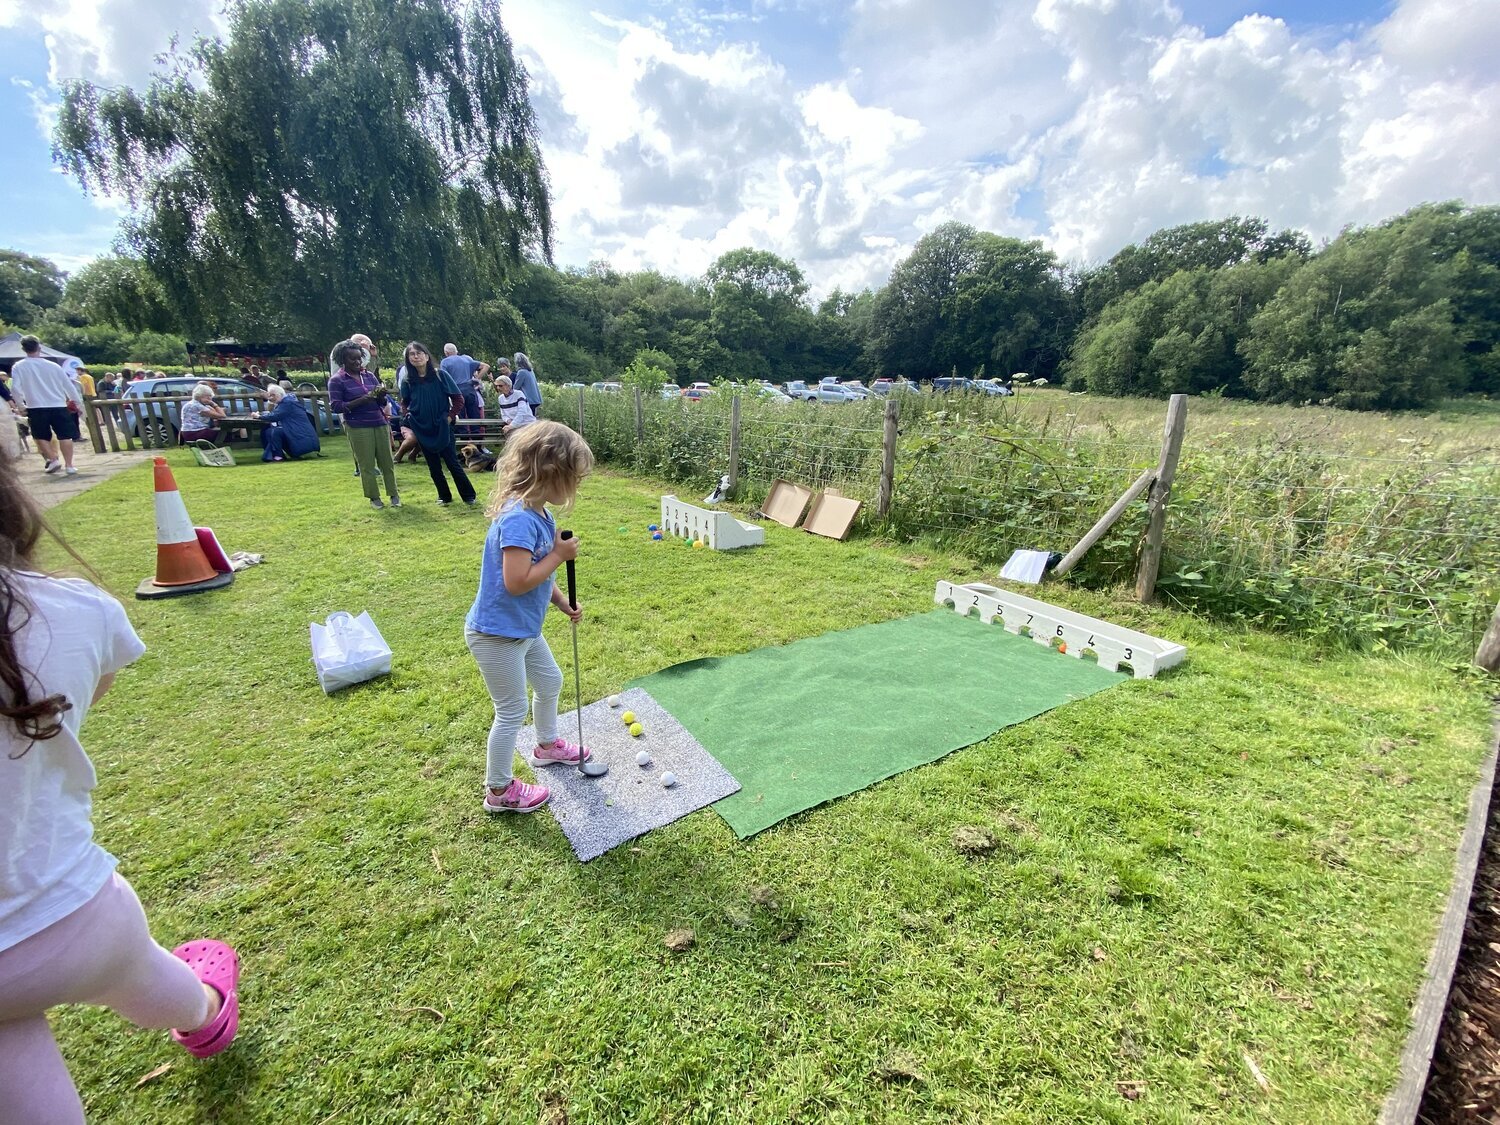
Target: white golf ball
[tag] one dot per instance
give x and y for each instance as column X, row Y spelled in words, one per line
column 614, row 701
column 669, row 779
column 643, row 759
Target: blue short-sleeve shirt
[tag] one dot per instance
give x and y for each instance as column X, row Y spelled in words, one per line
column 496, row 611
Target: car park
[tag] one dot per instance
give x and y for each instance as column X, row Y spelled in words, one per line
column 157, row 424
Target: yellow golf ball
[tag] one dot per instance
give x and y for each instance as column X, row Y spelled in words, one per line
column 636, row 730
column 628, row 718
column 698, row 543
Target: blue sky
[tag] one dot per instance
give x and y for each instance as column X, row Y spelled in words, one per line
column 838, row 132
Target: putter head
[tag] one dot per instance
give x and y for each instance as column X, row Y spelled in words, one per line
column 593, row 768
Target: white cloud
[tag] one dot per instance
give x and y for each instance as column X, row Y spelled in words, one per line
column 110, row 41
column 671, row 136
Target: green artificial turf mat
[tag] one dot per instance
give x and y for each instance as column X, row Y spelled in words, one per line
column 820, row 718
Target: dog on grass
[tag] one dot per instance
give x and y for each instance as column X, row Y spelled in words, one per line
column 476, row 460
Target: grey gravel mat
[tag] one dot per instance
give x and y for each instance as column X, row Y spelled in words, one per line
column 597, row 814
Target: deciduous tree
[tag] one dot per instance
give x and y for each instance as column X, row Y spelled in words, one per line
column 331, row 164
column 29, row 287
column 1367, row 324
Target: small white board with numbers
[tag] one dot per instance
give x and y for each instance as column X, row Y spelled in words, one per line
column 1072, row 633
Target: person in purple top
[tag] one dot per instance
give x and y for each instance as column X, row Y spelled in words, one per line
column 361, row 398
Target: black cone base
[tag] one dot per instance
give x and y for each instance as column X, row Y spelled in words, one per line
column 148, row 590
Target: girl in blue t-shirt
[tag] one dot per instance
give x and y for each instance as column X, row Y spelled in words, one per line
column 543, row 464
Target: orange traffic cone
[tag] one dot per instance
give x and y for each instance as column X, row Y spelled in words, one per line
column 181, row 565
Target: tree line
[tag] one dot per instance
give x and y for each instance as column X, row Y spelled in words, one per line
column 341, row 165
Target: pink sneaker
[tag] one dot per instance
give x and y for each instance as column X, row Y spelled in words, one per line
column 558, row 750
column 517, row 797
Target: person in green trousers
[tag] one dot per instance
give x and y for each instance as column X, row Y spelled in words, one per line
column 361, row 398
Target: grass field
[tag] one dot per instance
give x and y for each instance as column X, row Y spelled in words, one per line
column 1242, row 860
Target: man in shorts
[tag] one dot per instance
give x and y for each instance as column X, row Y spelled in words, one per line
column 45, row 390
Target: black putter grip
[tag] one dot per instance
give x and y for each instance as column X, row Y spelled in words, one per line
column 572, row 578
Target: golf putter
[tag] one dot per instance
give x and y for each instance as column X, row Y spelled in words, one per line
column 589, row 768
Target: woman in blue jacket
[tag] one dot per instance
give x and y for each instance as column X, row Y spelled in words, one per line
column 291, row 433
column 432, row 402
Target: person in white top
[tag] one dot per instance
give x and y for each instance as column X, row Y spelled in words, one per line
column 71, row 929
column 45, row 390
column 515, row 411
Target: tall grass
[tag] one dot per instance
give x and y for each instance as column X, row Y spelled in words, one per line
column 1358, row 529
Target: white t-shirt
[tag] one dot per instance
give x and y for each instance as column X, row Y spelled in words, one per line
column 41, row 383
column 49, row 863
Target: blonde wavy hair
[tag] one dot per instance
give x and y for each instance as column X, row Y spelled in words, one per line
column 541, row 462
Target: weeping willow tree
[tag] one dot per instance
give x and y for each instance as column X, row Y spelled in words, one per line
column 330, row 166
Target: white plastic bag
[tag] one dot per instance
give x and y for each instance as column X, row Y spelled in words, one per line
column 348, row 650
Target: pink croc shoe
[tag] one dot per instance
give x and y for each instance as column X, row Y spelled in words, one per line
column 558, row 750
column 218, row 966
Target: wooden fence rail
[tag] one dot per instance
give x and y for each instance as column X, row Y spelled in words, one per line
column 153, row 424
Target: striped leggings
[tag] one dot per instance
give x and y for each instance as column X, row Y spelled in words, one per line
column 507, row 663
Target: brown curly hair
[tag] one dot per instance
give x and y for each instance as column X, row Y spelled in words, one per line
column 21, row 527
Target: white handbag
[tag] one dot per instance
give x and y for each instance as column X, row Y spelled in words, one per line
column 348, row 650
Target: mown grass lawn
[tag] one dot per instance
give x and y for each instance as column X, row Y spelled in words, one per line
column 1244, row 858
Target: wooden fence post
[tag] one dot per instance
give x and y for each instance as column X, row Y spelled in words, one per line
column 640, row 417
column 1488, row 656
column 734, row 444
column 1171, row 449
column 107, row 411
column 96, row 439
column 580, row 411
column 887, row 488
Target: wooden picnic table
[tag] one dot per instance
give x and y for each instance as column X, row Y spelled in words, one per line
column 245, row 422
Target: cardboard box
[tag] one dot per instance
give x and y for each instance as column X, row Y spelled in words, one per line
column 785, row 502
column 831, row 515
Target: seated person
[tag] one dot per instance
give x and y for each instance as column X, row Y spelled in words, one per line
column 201, row 417
column 403, row 440
column 515, row 411
column 291, row 433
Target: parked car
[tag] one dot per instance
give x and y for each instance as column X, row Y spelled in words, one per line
column 825, row 391
column 767, row 391
column 697, row 392
column 887, row 387
column 572, row 386
column 157, row 424
column 953, row 383
column 991, row 387
column 609, row 387
column 671, row 390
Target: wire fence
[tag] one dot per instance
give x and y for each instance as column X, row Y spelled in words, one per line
column 1296, row 531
